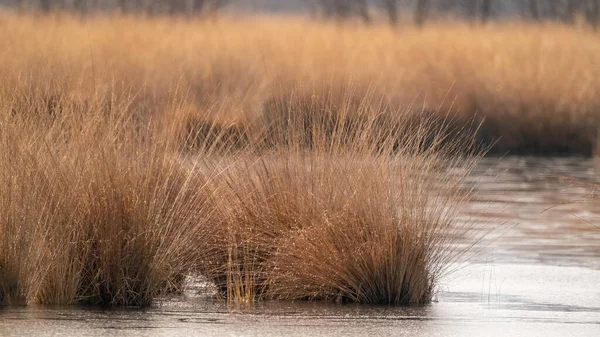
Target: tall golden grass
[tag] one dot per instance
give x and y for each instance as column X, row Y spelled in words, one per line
column 94, row 207
column 332, row 213
column 536, row 85
column 338, row 202
column 278, row 159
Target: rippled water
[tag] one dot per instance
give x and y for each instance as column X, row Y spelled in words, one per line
column 549, row 210
column 538, row 274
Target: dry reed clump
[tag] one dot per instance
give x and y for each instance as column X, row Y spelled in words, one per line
column 115, row 213
column 92, row 211
column 336, row 116
column 346, row 218
column 535, row 93
column 211, row 136
column 146, row 227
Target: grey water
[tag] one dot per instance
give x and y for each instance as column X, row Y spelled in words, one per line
column 536, row 274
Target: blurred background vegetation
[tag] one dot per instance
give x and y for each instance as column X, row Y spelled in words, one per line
column 394, row 11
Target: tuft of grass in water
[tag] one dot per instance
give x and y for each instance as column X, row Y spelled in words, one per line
column 330, row 212
column 352, row 205
column 94, row 209
column 336, row 201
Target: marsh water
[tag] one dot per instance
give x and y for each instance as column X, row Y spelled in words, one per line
column 536, row 274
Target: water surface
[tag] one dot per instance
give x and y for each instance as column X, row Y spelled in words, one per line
column 538, row 274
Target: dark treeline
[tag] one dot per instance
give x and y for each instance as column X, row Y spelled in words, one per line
column 172, row 7
column 568, row 11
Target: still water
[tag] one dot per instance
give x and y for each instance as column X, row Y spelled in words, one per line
column 537, row 274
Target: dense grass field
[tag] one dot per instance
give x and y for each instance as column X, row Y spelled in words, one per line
column 277, row 158
column 535, row 86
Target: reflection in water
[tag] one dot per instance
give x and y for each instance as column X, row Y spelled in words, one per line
column 539, row 275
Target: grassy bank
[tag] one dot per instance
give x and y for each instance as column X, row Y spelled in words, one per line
column 536, row 85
